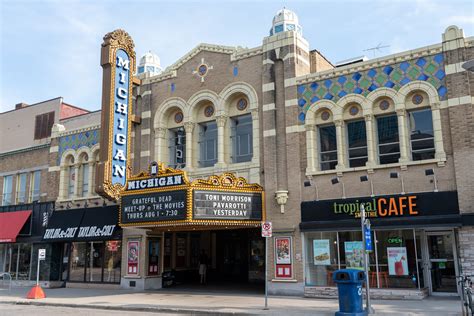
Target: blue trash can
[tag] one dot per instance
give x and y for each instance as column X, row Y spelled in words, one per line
column 349, row 286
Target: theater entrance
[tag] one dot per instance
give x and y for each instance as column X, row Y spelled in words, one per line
column 235, row 259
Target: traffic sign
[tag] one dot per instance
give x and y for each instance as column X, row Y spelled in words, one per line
column 41, row 254
column 267, row 229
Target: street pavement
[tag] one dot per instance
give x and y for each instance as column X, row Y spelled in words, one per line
column 182, row 302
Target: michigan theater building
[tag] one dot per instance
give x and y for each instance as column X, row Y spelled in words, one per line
column 193, row 158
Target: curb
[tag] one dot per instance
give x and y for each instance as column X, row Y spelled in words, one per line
column 156, row 309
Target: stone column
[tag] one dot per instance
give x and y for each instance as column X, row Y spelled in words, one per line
column 90, row 178
column 189, row 127
column 62, row 182
column 311, row 145
column 221, row 121
column 340, row 144
column 371, row 144
column 160, row 144
column 403, row 135
column 437, row 131
column 255, row 136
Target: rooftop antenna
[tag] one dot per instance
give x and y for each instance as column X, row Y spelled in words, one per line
column 376, row 48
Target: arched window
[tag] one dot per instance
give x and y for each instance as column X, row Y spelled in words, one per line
column 176, row 140
column 357, row 154
column 70, row 177
column 83, row 189
column 207, row 132
column 242, row 138
column 420, row 124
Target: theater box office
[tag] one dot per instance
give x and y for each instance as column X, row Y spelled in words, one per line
column 169, row 222
column 21, row 230
column 414, row 236
column 90, row 244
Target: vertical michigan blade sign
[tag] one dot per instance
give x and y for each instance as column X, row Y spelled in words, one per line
column 118, row 63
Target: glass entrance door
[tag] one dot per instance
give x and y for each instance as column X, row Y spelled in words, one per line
column 441, row 262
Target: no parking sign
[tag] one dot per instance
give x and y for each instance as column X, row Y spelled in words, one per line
column 267, row 229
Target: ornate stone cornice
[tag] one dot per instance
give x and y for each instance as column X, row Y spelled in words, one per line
column 79, row 130
column 120, row 38
column 374, row 63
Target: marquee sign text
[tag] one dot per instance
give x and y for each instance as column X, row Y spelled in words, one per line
column 153, row 207
column 227, row 205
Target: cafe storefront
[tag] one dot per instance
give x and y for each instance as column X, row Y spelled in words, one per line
column 414, row 251
column 170, row 221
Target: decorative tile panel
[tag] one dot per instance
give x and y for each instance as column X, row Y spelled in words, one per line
column 76, row 141
column 427, row 68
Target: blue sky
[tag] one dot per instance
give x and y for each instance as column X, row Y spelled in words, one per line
column 52, row 48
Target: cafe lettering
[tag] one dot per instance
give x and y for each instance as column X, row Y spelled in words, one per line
column 384, row 210
column 380, row 207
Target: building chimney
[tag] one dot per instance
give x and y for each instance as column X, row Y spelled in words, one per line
column 20, row 105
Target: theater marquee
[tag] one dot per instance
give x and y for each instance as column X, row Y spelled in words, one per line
column 168, row 198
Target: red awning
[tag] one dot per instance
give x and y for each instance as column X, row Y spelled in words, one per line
column 11, row 224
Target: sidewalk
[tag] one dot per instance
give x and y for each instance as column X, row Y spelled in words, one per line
column 211, row 303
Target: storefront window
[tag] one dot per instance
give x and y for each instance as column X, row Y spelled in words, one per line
column 24, row 259
column 322, row 258
column 113, row 260
column 78, row 261
column 392, row 264
column 95, row 261
column 396, row 259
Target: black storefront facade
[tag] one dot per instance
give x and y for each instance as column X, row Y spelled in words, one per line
column 20, row 241
column 90, row 245
column 415, row 250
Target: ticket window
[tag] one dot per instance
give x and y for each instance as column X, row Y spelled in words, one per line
column 154, row 255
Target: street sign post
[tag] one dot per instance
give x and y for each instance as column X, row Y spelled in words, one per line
column 266, row 233
column 365, row 242
column 37, row 292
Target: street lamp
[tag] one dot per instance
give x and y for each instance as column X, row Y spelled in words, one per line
column 336, row 181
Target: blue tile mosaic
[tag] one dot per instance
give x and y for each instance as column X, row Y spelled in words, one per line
column 442, row 91
column 235, row 71
column 428, row 68
column 438, row 58
column 421, row 62
column 314, row 99
column 301, row 89
column 76, row 141
column 439, row 74
column 387, row 70
column 301, row 102
column 302, row 116
column 404, row 66
column 372, row 72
